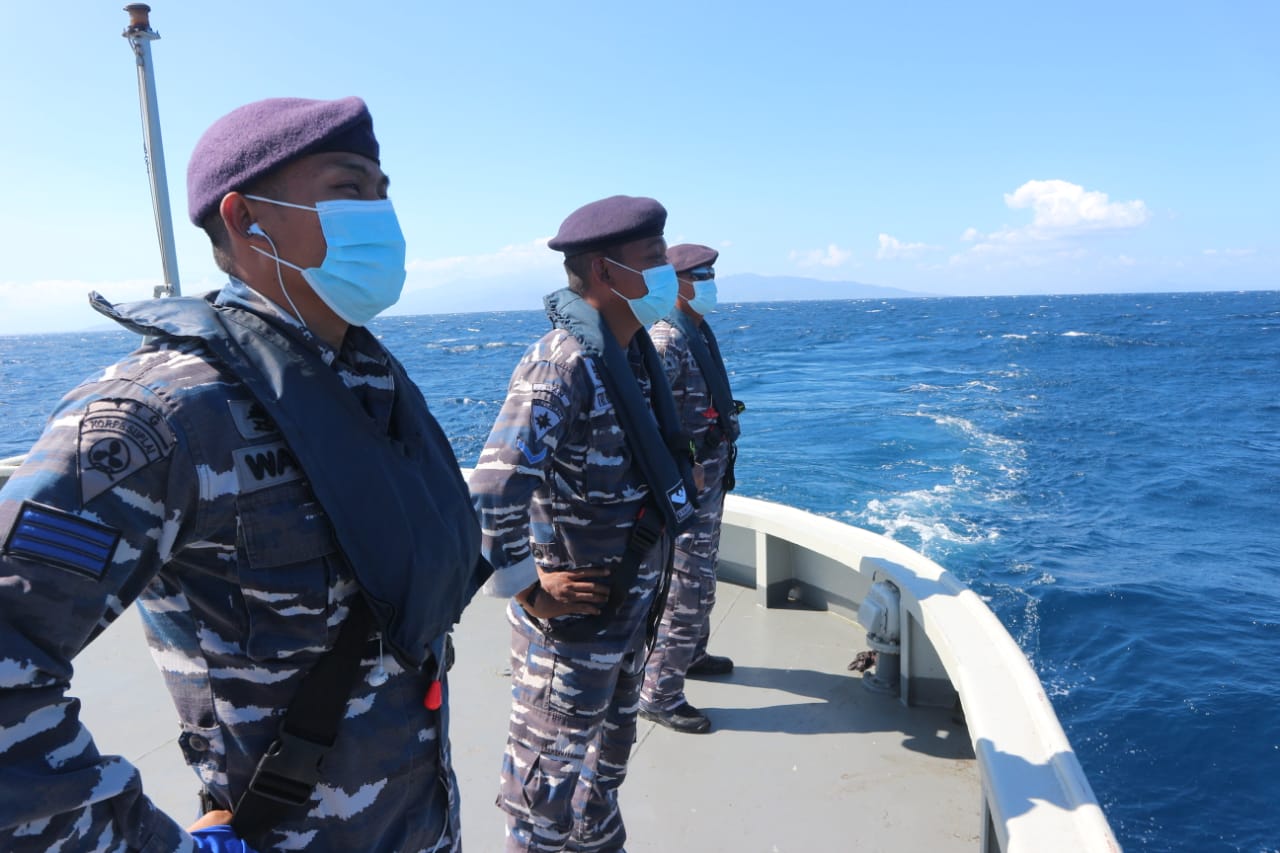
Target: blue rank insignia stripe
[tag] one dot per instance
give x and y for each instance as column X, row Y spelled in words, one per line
column 58, row 538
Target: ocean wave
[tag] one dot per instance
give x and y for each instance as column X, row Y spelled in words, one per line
column 908, row 516
column 1111, row 498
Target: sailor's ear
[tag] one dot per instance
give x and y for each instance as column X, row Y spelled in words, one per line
column 600, row 268
column 236, row 215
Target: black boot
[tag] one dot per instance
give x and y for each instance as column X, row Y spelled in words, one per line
column 683, row 718
column 711, row 665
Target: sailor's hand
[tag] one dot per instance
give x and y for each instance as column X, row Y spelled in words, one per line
column 217, row 817
column 561, row 593
column 212, row 834
column 699, row 476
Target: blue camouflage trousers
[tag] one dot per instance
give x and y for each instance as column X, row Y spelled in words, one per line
column 573, row 722
column 686, row 619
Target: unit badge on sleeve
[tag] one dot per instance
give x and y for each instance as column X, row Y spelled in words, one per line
column 119, row 438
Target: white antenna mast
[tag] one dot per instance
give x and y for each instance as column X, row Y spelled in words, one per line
column 140, row 36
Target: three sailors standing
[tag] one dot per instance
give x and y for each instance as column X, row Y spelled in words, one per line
column 265, row 481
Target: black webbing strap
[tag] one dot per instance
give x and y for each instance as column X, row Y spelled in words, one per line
column 644, row 533
column 290, row 769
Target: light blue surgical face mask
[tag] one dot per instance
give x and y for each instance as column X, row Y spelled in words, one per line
column 704, row 296
column 661, row 298
column 363, row 269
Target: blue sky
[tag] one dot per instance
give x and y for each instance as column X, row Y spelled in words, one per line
column 948, row 148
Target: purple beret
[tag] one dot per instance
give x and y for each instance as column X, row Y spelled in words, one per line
column 609, row 222
column 247, row 143
column 689, row 256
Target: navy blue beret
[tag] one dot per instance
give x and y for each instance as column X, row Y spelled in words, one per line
column 689, row 256
column 247, row 143
column 609, row 222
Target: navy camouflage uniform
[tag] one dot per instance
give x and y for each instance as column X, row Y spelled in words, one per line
column 686, row 619
column 233, row 565
column 556, row 486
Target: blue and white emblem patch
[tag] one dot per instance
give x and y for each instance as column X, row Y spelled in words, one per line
column 543, row 417
column 118, row 438
column 58, row 538
column 530, row 456
column 679, row 498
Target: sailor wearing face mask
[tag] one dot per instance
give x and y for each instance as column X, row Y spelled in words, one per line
column 264, row 479
column 709, row 414
column 582, row 483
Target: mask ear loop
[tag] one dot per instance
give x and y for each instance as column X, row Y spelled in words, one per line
column 625, row 267
column 255, row 228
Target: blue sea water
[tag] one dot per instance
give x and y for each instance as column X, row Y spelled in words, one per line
column 1104, row 470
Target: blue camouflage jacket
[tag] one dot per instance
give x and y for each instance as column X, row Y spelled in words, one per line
column 167, row 484
column 692, row 395
column 556, row 486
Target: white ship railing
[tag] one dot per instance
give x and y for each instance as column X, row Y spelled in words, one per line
column 8, row 466
column 1035, row 794
column 1036, row 798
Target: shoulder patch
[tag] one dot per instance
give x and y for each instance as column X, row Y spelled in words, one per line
column 251, row 419
column 119, row 438
column 265, row 465
column 58, row 538
column 544, row 415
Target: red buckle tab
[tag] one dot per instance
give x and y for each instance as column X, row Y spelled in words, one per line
column 435, row 696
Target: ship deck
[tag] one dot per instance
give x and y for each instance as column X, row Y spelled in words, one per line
column 801, row 756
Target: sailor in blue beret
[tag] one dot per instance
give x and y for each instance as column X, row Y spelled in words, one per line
column 264, row 481
column 581, row 486
column 709, row 415
column 687, row 257
column 292, row 195
column 615, row 257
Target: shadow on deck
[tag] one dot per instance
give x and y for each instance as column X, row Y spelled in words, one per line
column 801, row 757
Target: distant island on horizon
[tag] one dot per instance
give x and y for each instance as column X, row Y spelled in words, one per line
column 470, row 296
column 476, row 296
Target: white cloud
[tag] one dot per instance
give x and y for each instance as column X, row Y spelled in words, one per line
column 891, row 248
column 1234, row 253
column 1062, row 212
column 1064, row 205
column 832, row 256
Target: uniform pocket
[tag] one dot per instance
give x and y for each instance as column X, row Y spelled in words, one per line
column 285, row 548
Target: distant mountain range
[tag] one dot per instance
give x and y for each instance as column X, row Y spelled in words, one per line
column 504, row 294
column 748, row 287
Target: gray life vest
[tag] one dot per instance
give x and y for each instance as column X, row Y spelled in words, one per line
column 398, row 503
column 659, row 447
column 706, row 352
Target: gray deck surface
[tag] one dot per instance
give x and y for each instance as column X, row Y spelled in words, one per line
column 801, row 757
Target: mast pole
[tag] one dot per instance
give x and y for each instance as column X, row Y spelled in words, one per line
column 140, row 36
